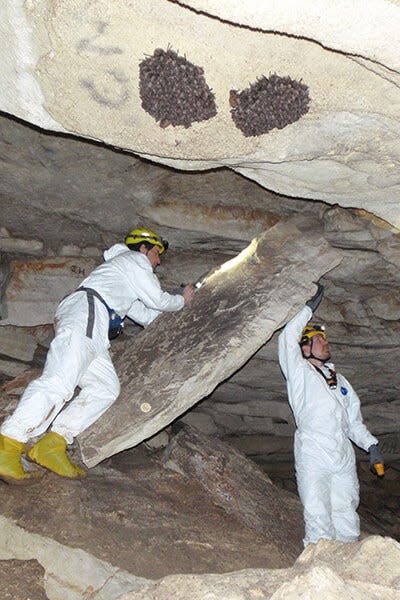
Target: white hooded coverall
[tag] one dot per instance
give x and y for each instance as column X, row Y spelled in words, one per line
column 128, row 285
column 327, row 421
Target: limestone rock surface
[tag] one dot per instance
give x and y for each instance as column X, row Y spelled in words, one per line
column 69, row 573
column 132, row 520
column 32, row 289
column 333, row 570
column 361, row 34
column 74, row 68
column 21, row 579
column 137, row 528
column 241, row 488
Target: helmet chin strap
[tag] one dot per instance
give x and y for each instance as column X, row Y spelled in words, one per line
column 331, row 379
column 323, row 360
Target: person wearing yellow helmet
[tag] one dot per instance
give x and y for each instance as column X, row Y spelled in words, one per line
column 315, row 340
column 310, row 330
column 146, row 236
column 328, row 420
column 123, row 286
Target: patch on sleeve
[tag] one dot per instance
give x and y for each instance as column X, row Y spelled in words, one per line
column 344, row 390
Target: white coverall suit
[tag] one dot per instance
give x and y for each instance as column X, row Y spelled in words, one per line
column 326, row 420
column 128, row 285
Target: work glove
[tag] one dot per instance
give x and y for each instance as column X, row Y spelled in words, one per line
column 375, row 457
column 313, row 302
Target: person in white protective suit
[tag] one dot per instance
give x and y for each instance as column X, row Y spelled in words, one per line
column 328, row 419
column 124, row 285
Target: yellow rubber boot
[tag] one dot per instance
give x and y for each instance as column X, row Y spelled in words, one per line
column 11, row 469
column 51, row 452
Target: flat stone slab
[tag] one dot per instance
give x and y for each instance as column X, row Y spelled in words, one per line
column 241, row 488
column 181, row 357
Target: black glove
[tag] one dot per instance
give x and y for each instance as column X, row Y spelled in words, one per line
column 375, row 456
column 313, row 302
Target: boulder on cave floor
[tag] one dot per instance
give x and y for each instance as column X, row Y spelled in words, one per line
column 366, row 570
column 240, row 487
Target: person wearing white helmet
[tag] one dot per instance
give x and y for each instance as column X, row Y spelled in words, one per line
column 328, row 419
column 124, row 285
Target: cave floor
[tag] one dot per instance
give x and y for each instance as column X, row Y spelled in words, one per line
column 135, row 514
column 141, row 517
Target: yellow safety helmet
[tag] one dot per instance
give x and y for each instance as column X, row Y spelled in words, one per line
column 144, row 234
column 310, row 330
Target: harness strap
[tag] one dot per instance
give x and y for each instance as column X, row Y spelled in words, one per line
column 91, row 294
column 331, row 380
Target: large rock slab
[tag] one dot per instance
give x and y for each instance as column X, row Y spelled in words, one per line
column 241, row 488
column 181, row 357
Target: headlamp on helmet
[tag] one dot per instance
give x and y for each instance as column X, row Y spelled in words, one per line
column 310, row 330
column 144, row 234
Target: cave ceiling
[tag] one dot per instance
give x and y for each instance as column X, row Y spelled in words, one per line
column 301, row 97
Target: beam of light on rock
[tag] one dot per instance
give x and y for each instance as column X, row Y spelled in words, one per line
column 233, row 263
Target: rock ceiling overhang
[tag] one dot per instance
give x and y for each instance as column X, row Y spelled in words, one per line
column 341, row 26
column 74, row 67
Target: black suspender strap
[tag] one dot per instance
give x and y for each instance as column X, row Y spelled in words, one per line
column 91, row 294
column 90, row 323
